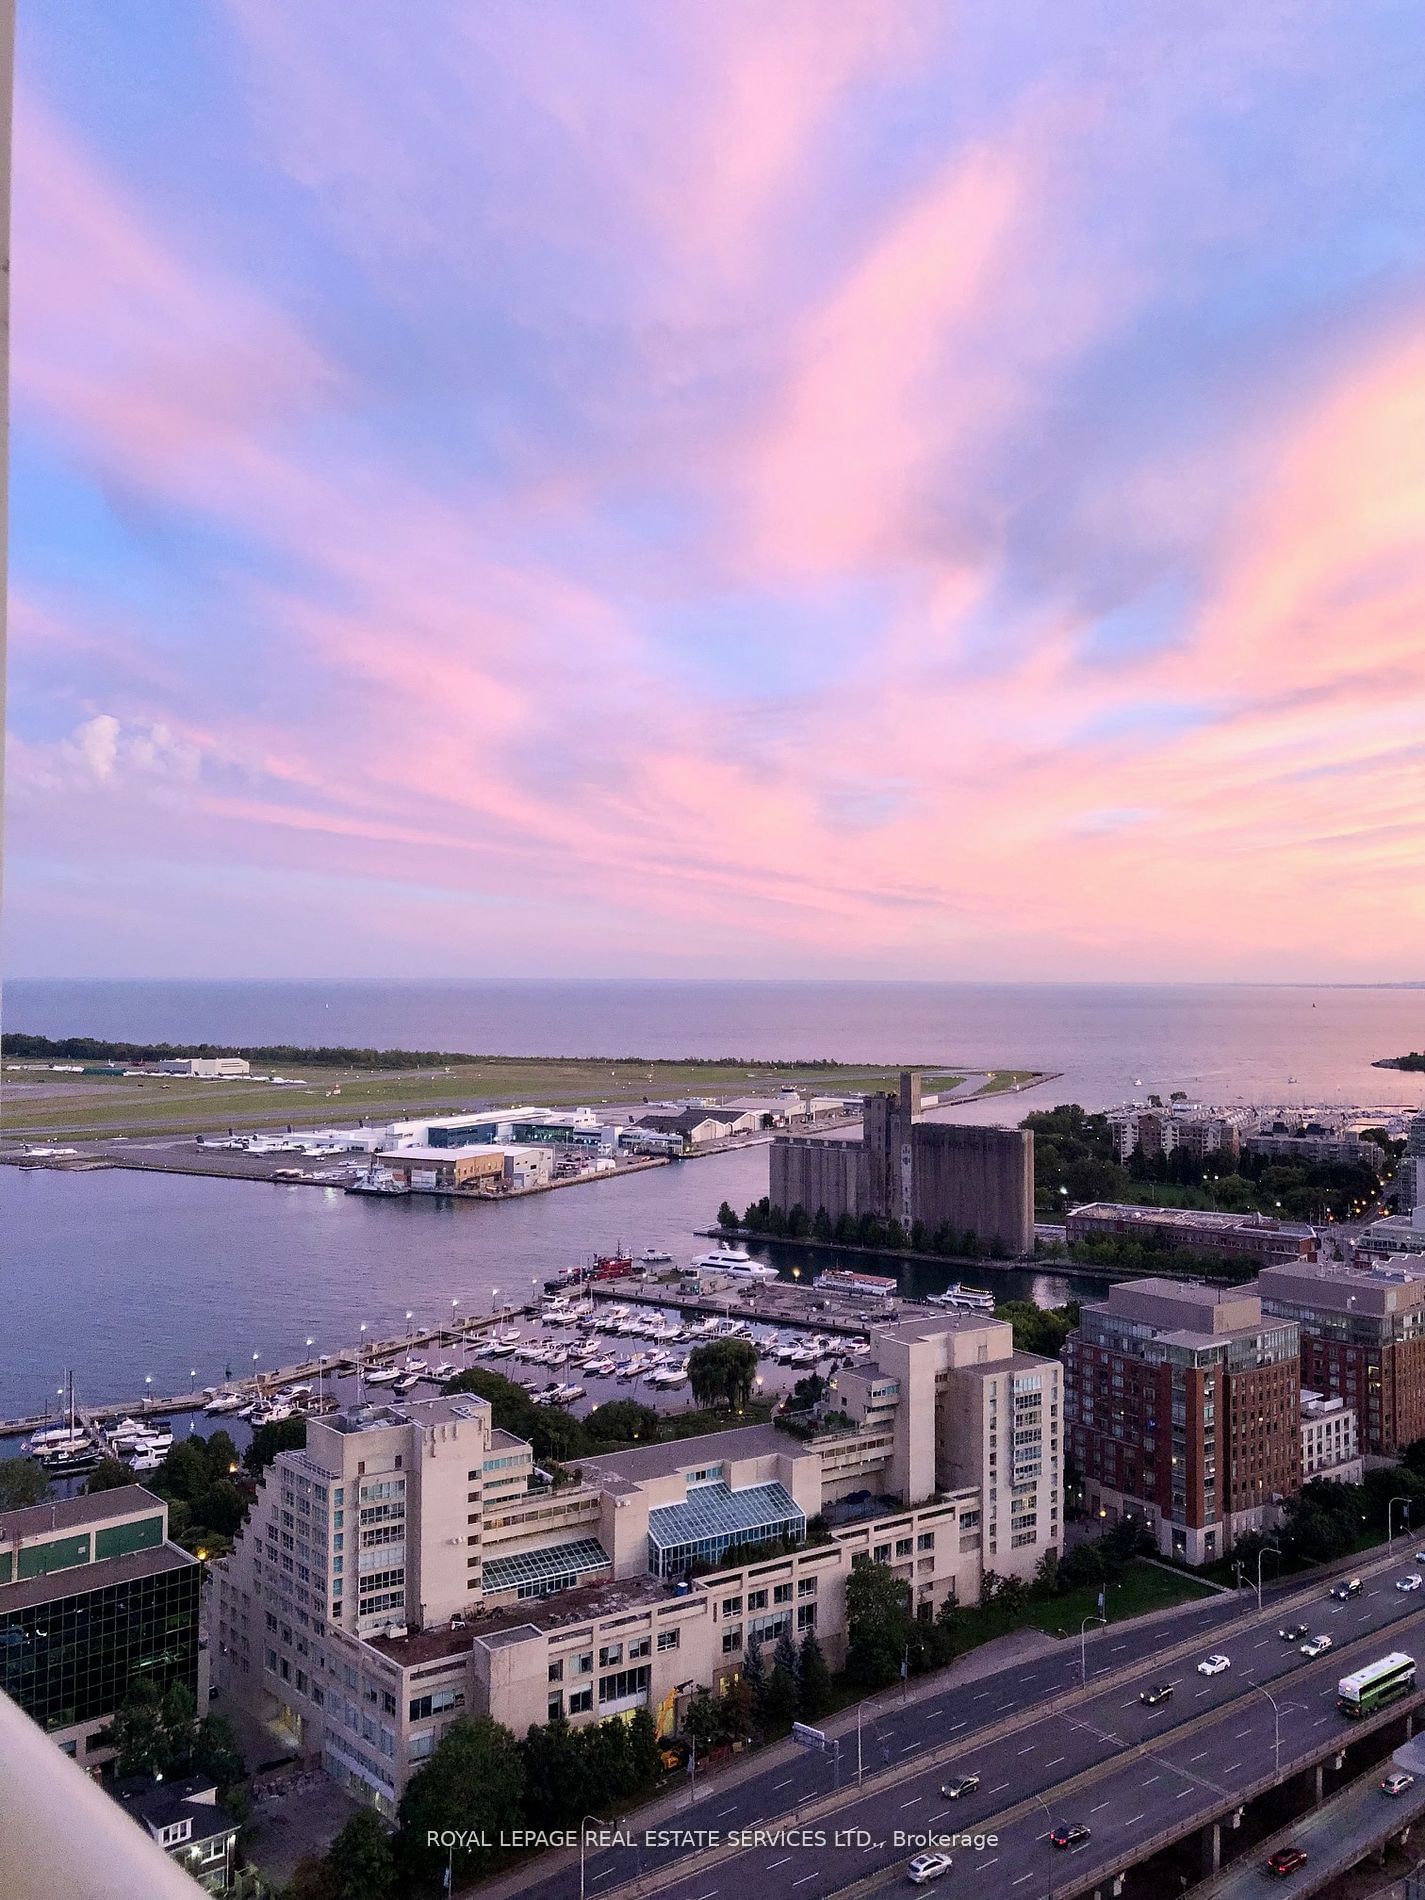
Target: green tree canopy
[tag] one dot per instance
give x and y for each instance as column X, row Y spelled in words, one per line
column 22, row 1482
column 474, row 1784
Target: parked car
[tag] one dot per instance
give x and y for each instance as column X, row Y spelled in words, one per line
column 1317, row 1646
column 1396, row 1782
column 1285, row 1861
column 1344, row 1591
column 1411, row 1582
column 1070, row 1834
column 1214, row 1665
column 1162, row 1692
column 962, row 1784
column 1294, row 1632
column 926, row 1867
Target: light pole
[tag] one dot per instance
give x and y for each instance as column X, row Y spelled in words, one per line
column 583, row 1840
column 1275, row 1549
column 192, row 1378
column 494, row 1298
column 360, row 1361
column 1276, row 1727
column 453, row 1304
column 1083, row 1643
column 1048, row 1839
column 1390, row 1518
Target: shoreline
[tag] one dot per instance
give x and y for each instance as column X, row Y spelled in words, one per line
column 1047, row 1264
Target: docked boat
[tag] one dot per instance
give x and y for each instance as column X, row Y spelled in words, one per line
column 407, row 1382
column 412, row 1364
column 383, row 1375
column 498, row 1349
column 734, row 1263
column 377, row 1181
column 54, row 1439
column 655, row 1257
column 445, row 1370
column 868, row 1286
column 223, row 1402
column 964, row 1299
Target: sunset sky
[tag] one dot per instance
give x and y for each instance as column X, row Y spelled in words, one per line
column 706, row 487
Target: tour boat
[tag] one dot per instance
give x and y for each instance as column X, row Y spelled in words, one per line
column 378, row 1181
column 877, row 1286
column 964, row 1299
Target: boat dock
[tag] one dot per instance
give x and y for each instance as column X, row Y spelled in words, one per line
column 261, row 1384
column 765, row 1302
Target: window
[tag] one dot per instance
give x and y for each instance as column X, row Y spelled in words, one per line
column 584, row 1665
column 668, row 1639
column 782, row 1593
column 732, row 1606
column 903, row 1547
column 556, row 1705
column 757, row 1599
column 925, row 1541
column 610, row 1655
column 806, row 1616
column 640, row 1646
column 580, row 1701
column 556, row 1671
column 806, row 1586
column 731, row 1641
column 623, row 1684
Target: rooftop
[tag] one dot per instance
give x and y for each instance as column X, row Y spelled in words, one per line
column 498, row 1627
column 715, row 1510
column 79, row 1579
column 1201, row 1219
column 644, row 1462
column 420, row 1412
column 942, row 1320
column 73, row 1514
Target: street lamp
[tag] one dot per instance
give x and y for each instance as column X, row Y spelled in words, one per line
column 583, row 1839
column 1276, row 1727
column 147, row 1389
column 1390, row 1518
column 1048, row 1839
column 494, row 1298
column 453, row 1304
column 1083, row 1643
column 192, row 1378
column 1275, row 1550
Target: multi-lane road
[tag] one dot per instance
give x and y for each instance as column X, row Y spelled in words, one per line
column 1045, row 1752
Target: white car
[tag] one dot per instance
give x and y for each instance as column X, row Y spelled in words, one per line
column 1412, row 1582
column 1214, row 1665
column 927, row 1867
column 1317, row 1646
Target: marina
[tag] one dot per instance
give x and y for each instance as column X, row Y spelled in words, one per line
column 624, row 1336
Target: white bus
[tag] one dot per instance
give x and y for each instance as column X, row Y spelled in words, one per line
column 1380, row 1682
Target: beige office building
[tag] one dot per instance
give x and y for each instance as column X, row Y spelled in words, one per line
column 411, row 1565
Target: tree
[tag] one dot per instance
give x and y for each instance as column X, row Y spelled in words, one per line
column 108, row 1475
column 184, row 1472
column 136, row 1733
column 643, row 1756
column 754, row 1669
column 622, row 1422
column 726, row 1216
column 556, row 1773
column 283, row 1434
column 814, row 1679
column 703, row 1723
column 722, row 1372
column 22, row 1482
column 878, row 1624
column 359, row 1863
column 473, row 1784
column 1046, row 1575
column 779, row 1700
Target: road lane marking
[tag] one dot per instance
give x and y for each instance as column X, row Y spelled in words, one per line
column 783, row 1784
column 1185, row 1793
column 911, row 1803
column 804, row 1879
column 1202, row 1757
column 999, row 1790
column 722, row 1811
column 1133, row 1821
column 1020, row 1879
column 1055, row 1762
column 1027, row 1750
column 909, row 1746
column 777, row 1863
column 1099, row 1809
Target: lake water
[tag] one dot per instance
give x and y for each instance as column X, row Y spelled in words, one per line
column 123, row 1275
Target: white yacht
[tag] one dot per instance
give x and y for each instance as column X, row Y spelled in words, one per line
column 655, row 1257
column 964, row 1299
column 384, row 1375
column 734, row 1263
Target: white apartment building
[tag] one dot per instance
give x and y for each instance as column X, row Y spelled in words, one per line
column 410, row 1566
column 1330, row 1440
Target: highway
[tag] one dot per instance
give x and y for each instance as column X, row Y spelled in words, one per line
column 1216, row 1736
column 1333, row 1836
